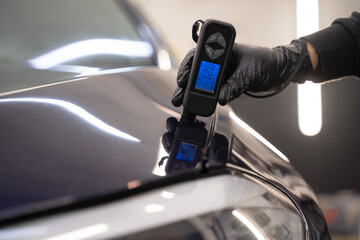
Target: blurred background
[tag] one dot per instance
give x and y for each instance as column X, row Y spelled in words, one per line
column 330, row 159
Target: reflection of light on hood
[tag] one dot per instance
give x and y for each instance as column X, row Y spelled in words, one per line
column 257, row 135
column 83, row 70
column 160, row 170
column 23, row 233
column 80, row 112
column 164, row 61
column 83, row 233
column 251, row 226
column 91, row 47
column 166, row 109
column 167, row 195
column 153, row 208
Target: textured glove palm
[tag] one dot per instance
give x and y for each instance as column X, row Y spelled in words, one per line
column 251, row 68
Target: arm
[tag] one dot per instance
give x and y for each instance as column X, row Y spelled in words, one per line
column 338, row 49
column 325, row 55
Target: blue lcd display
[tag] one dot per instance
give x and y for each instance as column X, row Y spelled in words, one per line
column 207, row 76
column 186, row 152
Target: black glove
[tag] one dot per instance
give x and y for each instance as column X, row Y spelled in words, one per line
column 172, row 124
column 253, row 68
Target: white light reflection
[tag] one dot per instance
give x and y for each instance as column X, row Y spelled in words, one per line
column 251, row 226
column 160, row 170
column 164, row 60
column 78, row 111
column 82, row 233
column 91, row 47
column 257, row 135
column 309, row 94
column 167, row 195
column 154, row 208
column 166, row 109
column 23, row 233
column 84, row 71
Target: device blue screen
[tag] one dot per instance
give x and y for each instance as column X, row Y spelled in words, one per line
column 186, row 152
column 207, row 76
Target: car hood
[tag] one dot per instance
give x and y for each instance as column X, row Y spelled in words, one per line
column 82, row 138
column 95, row 136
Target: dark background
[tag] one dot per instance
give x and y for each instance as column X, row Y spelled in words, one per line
column 329, row 161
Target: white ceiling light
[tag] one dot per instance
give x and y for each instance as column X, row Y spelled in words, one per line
column 309, row 94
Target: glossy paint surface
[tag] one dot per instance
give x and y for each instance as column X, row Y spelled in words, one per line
column 168, row 205
column 81, row 139
column 89, row 137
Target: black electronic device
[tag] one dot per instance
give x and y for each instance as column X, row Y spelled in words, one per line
column 214, row 45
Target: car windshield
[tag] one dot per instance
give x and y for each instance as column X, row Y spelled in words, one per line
column 49, row 41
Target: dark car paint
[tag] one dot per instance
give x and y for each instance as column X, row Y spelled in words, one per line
column 49, row 154
column 52, row 157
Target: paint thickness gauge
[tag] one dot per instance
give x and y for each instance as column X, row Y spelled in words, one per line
column 211, row 58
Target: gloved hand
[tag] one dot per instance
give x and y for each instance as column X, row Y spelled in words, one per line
column 172, row 124
column 252, row 68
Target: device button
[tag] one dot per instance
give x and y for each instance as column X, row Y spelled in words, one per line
column 215, row 45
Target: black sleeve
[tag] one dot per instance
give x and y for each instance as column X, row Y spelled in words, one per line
column 338, row 48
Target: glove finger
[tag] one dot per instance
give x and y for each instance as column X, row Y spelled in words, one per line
column 223, row 95
column 184, row 69
column 184, row 78
column 231, row 89
column 171, row 124
column 178, row 97
column 167, row 141
column 168, row 137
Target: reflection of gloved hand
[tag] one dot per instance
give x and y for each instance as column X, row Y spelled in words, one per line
column 172, row 124
column 252, row 68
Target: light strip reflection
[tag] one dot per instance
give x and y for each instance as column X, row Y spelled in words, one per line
column 23, row 233
column 160, row 170
column 91, row 47
column 251, row 226
column 154, row 208
column 82, row 233
column 164, row 60
column 257, row 135
column 78, row 111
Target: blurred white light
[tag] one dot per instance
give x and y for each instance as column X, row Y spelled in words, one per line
column 82, row 233
column 154, row 208
column 84, row 71
column 160, row 170
column 309, row 94
column 23, row 233
column 91, row 47
column 309, row 108
column 251, row 226
column 167, row 195
column 80, row 112
column 257, row 135
column 164, row 61
column 307, row 17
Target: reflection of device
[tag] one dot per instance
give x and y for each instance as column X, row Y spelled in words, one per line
column 186, row 150
column 208, row 69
